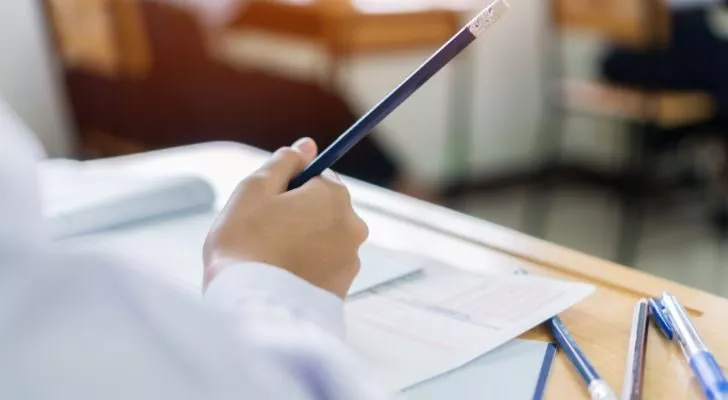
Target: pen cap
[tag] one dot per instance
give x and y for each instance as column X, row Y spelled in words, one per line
column 710, row 376
column 657, row 315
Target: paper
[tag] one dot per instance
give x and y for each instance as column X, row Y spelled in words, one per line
column 513, row 371
column 438, row 320
column 171, row 250
column 78, row 199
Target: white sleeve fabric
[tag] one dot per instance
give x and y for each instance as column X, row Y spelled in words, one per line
column 297, row 323
column 81, row 328
column 246, row 287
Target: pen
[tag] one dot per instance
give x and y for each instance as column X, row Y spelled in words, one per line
column 657, row 315
column 634, row 375
column 484, row 20
column 598, row 388
column 704, row 366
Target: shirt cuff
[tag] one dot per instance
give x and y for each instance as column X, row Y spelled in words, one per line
column 240, row 285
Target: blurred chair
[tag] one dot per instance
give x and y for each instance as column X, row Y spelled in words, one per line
column 151, row 83
column 649, row 112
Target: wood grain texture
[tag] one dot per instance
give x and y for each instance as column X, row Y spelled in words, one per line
column 601, row 323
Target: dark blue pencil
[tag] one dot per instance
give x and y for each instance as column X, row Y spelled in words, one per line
column 427, row 70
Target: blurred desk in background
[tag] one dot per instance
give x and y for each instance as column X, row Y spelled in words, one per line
column 634, row 23
column 354, row 27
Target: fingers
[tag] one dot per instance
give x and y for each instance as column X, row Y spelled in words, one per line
column 285, row 164
column 330, row 194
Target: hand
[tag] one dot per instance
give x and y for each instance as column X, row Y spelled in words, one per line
column 311, row 232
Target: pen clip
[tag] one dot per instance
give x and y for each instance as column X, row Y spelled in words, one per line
column 657, row 315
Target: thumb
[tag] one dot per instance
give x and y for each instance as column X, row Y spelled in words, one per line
column 307, row 147
column 288, row 162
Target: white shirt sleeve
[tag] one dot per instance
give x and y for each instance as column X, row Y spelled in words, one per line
column 246, row 287
column 77, row 327
column 299, row 323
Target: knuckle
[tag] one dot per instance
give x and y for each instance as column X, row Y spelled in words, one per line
column 331, row 190
column 361, row 230
column 339, row 192
column 317, row 187
column 256, row 181
column 356, row 265
column 287, row 153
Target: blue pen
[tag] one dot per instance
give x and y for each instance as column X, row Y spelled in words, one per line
column 370, row 120
column 704, row 366
column 598, row 388
column 657, row 315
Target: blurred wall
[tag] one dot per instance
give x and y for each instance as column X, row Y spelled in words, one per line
column 28, row 74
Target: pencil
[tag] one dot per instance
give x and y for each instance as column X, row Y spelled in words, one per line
column 484, row 20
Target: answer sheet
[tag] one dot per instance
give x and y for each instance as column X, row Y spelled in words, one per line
column 440, row 319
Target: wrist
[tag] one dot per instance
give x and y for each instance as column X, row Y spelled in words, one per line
column 219, row 261
column 238, row 286
column 214, row 267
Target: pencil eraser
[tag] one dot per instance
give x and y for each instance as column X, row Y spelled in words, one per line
column 488, row 17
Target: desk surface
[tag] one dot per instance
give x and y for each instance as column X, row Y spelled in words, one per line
column 601, row 323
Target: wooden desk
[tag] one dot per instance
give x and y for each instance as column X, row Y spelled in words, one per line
column 601, row 323
column 628, row 22
column 345, row 28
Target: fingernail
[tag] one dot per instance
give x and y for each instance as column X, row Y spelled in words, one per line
column 304, row 145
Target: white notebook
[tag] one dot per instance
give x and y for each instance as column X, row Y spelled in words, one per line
column 158, row 225
column 78, row 199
